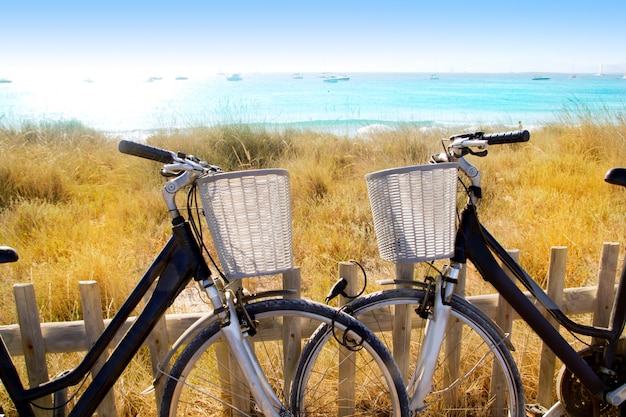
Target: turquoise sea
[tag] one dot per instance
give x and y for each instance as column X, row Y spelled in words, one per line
column 135, row 106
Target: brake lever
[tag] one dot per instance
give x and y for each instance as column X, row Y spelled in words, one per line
column 477, row 153
column 473, row 135
column 169, row 174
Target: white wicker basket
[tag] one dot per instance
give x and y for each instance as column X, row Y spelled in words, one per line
column 414, row 210
column 249, row 216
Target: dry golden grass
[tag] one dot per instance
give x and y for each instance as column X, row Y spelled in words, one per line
column 76, row 209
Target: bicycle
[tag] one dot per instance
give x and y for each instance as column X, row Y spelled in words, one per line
column 232, row 361
column 460, row 359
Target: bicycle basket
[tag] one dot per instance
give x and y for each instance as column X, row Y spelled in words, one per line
column 249, row 217
column 414, row 210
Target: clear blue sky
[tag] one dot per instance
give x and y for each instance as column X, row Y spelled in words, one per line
column 184, row 36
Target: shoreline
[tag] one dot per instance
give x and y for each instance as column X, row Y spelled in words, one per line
column 350, row 128
column 353, row 128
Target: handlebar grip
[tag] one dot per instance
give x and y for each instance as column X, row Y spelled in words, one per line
column 507, row 137
column 146, row 151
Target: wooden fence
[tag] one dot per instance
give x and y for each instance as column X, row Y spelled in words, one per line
column 34, row 340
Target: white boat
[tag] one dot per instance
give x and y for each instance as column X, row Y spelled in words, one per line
column 433, row 77
column 297, row 76
column 335, row 78
column 234, row 77
column 540, row 78
column 4, row 81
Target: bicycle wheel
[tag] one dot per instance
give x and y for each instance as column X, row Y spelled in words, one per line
column 205, row 380
column 475, row 373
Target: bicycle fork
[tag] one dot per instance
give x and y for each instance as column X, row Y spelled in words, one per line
column 267, row 400
column 421, row 383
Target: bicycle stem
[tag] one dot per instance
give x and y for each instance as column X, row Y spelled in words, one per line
column 474, row 175
column 172, row 187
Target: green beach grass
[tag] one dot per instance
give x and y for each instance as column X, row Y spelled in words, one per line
column 76, row 209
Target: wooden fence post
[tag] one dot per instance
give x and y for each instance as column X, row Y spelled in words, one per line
column 453, row 340
column 349, row 271
column 292, row 331
column 238, row 387
column 556, row 281
column 504, row 312
column 158, row 345
column 603, row 304
column 402, row 326
column 32, row 342
column 504, row 319
column 94, row 326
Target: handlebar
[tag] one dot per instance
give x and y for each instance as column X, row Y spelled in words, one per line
column 175, row 162
column 490, row 138
column 507, row 137
column 184, row 170
column 464, row 143
column 146, row 151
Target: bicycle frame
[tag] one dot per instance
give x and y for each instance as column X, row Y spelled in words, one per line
column 476, row 244
column 177, row 263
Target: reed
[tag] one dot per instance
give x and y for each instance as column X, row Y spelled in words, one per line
column 77, row 210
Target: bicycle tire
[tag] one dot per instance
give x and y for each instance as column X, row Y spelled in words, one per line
column 479, row 353
column 198, row 383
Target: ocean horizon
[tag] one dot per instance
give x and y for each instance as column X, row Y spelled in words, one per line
column 135, row 106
